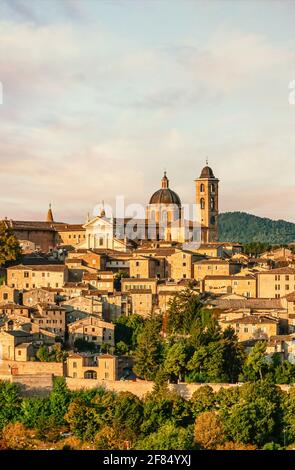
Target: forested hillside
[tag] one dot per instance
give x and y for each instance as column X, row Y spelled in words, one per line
column 245, row 228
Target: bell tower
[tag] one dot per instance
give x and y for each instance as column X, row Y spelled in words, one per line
column 207, row 199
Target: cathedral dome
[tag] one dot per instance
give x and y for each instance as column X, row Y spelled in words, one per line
column 207, row 172
column 165, row 195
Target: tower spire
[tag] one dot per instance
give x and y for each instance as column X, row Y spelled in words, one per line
column 49, row 217
column 102, row 212
column 165, row 181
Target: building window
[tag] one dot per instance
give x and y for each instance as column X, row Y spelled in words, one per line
column 26, row 274
column 137, row 263
column 5, row 296
column 106, row 375
column 212, row 188
column 19, row 353
column 212, row 204
column 75, row 365
column 202, row 203
column 74, row 375
column 287, row 287
column 202, row 188
column 287, row 278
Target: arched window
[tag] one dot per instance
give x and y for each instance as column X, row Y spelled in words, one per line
column 212, row 203
column 212, row 188
column 90, row 374
column 202, row 188
column 202, row 203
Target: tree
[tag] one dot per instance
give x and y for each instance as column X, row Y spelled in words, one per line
column 118, row 277
column 59, row 399
column 203, row 399
column 34, row 412
column 256, row 418
column 255, row 365
column 127, row 331
column 128, row 411
column 110, row 438
column 176, row 360
column 183, row 312
column 148, row 354
column 83, row 419
column 9, row 246
column 17, row 437
column 207, row 364
column 168, row 437
column 162, row 406
column 83, row 345
column 209, row 432
column 229, row 445
column 10, row 403
column 289, row 417
column 284, row 373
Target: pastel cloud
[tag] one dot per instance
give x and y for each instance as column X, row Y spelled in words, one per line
column 91, row 111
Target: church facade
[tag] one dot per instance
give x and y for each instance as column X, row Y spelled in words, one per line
column 164, row 220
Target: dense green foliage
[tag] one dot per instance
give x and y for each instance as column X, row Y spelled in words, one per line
column 245, row 228
column 9, row 246
column 126, row 333
column 53, row 354
column 257, row 414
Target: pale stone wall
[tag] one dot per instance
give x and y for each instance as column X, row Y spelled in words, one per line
column 19, row 368
column 275, row 285
column 31, row 277
column 235, row 285
column 41, row 384
column 181, row 265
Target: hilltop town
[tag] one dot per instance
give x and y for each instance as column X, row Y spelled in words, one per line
column 65, row 300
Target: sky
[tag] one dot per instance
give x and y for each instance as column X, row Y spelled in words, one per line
column 101, row 96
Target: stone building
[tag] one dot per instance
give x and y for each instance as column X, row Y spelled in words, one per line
column 9, row 294
column 215, row 267
column 51, row 318
column 26, row 277
column 207, row 198
column 253, row 327
column 241, row 285
column 92, row 329
column 276, row 283
column 100, row 367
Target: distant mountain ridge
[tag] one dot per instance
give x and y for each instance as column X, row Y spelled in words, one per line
column 246, row 228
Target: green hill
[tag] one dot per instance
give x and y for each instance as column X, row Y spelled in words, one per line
column 246, row 228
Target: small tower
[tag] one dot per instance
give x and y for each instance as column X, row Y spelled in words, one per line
column 49, row 217
column 207, row 198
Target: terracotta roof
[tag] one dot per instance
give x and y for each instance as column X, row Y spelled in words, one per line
column 290, row 297
column 272, row 304
column 237, row 278
column 138, row 279
column 139, row 291
column 216, row 261
column 13, row 306
column 278, row 271
column 70, row 228
column 252, row 319
column 207, row 172
column 39, row 267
